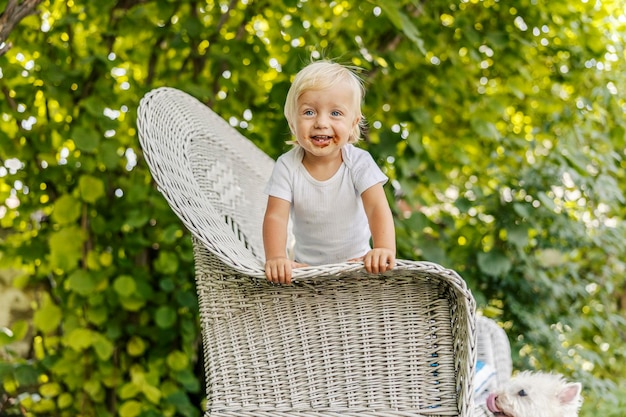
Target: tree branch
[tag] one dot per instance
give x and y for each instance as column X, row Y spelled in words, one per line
column 13, row 13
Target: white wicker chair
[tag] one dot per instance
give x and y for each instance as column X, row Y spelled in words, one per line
column 338, row 342
column 493, row 348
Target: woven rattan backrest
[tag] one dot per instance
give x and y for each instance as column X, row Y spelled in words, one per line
column 211, row 175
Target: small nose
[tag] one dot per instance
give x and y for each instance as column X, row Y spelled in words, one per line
column 321, row 120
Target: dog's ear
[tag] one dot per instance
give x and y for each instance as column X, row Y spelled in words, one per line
column 569, row 394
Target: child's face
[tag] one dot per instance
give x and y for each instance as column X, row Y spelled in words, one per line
column 325, row 119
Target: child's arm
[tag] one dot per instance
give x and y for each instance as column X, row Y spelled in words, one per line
column 383, row 255
column 277, row 264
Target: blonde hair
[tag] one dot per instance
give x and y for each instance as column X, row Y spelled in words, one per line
column 321, row 75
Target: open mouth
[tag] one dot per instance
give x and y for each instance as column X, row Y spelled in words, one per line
column 321, row 140
column 493, row 407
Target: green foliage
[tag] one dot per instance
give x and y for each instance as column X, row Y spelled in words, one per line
column 501, row 125
column 115, row 318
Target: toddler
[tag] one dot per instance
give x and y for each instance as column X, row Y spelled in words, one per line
column 332, row 190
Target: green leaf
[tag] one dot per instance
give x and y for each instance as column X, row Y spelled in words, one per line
column 93, row 387
column 79, row 339
column 165, row 317
column 522, row 210
column 494, row 263
column 187, row 299
column 85, row 139
column 20, row 329
column 51, row 389
column 66, row 210
column 401, row 21
column 485, row 129
column 129, row 390
column 65, row 400
column 48, row 317
column 188, row 379
column 177, row 360
column 171, row 233
column 166, row 263
column 181, row 401
column 167, row 284
column 108, row 154
column 153, row 394
column 26, row 375
column 66, row 248
column 104, row 347
column 434, row 253
column 91, row 188
column 130, row 409
column 124, row 285
column 82, row 282
column 136, row 346
column 137, row 218
column 133, row 303
column 518, row 236
column 94, row 106
column 97, row 314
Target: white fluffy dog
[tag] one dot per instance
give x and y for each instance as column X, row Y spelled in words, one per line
column 536, row 394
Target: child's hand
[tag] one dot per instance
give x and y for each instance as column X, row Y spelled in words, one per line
column 379, row 260
column 278, row 270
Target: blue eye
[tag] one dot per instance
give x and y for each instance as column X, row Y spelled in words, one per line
column 522, row 393
column 308, row 112
column 335, row 113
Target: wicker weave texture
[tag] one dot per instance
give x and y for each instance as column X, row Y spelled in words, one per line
column 493, row 347
column 339, row 342
column 205, row 170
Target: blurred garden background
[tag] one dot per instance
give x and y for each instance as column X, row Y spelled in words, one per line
column 501, row 124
